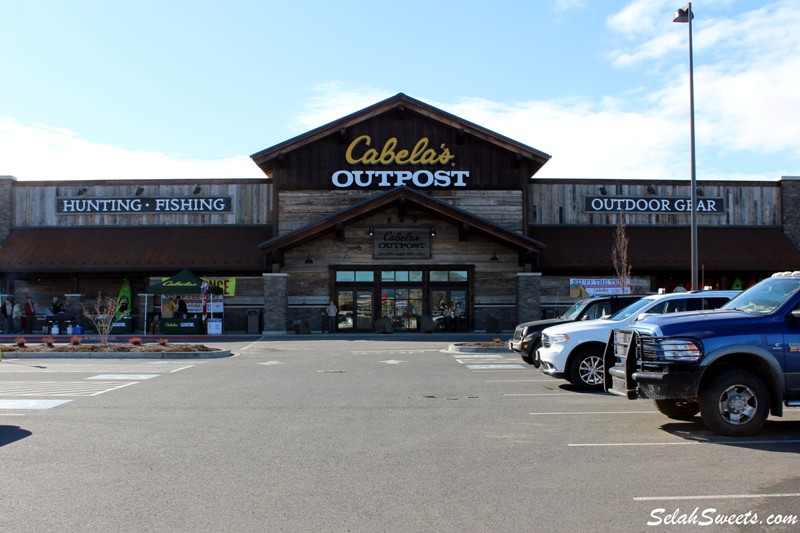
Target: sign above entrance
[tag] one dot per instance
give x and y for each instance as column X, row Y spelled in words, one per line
column 401, row 243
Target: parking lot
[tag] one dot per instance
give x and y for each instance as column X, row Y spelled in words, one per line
column 367, row 435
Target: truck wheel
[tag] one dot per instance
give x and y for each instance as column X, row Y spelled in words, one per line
column 586, row 371
column 532, row 358
column 678, row 408
column 735, row 404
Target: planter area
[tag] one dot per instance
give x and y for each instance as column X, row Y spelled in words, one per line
column 111, row 350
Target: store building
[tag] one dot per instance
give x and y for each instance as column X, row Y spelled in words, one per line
column 403, row 215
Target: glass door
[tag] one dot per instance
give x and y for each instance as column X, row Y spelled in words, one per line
column 448, row 308
column 402, row 306
column 355, row 310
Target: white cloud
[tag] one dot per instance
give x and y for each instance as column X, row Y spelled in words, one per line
column 42, row 152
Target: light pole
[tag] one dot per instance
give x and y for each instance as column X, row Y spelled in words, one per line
column 684, row 15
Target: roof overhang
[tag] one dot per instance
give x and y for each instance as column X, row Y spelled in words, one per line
column 668, row 248
column 405, row 197
column 134, row 249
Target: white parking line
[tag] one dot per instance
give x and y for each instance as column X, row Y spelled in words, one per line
column 545, row 394
column 682, row 443
column 495, row 367
column 58, row 388
column 551, row 380
column 717, row 497
column 599, row 413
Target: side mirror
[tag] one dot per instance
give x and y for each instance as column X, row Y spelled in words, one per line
column 796, row 314
column 642, row 316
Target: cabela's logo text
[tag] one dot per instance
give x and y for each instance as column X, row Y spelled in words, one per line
column 362, row 152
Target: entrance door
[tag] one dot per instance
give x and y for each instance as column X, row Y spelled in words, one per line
column 402, row 306
column 355, row 310
column 448, row 307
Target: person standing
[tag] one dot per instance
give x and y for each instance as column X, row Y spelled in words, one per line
column 17, row 315
column 331, row 311
column 458, row 312
column 8, row 315
column 183, row 310
column 30, row 314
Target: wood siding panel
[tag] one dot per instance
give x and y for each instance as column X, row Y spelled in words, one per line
column 746, row 203
column 36, row 204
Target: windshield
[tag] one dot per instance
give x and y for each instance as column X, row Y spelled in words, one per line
column 765, row 297
column 572, row 312
column 631, row 309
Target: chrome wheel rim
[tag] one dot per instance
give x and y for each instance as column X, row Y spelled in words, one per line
column 591, row 370
column 738, row 404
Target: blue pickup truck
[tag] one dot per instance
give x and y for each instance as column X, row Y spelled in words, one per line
column 734, row 365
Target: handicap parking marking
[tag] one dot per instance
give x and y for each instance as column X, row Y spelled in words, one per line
column 124, row 377
column 31, row 404
column 478, row 356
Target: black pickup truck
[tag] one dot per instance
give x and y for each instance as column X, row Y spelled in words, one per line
column 734, row 365
column 528, row 336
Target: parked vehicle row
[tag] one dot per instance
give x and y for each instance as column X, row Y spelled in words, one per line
column 527, row 336
column 734, row 366
column 574, row 350
column 732, row 357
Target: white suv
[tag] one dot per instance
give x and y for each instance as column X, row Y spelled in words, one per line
column 574, row 351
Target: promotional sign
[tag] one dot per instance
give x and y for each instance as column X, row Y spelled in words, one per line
column 584, row 288
column 393, row 243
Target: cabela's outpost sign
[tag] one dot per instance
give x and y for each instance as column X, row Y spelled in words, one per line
column 361, row 152
column 393, row 243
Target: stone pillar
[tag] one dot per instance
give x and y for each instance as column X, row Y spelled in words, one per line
column 529, row 296
column 6, row 206
column 276, row 303
column 790, row 215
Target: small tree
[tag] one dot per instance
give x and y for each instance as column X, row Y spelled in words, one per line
column 619, row 255
column 102, row 315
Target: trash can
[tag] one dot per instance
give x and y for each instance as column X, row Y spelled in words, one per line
column 253, row 321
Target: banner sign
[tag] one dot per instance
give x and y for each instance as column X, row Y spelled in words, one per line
column 228, row 285
column 603, row 204
column 583, row 287
column 84, row 206
column 393, row 243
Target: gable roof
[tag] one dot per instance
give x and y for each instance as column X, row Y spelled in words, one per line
column 403, row 196
column 265, row 159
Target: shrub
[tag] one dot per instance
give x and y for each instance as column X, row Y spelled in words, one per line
column 136, row 341
column 20, row 342
column 75, row 340
column 162, row 342
column 49, row 341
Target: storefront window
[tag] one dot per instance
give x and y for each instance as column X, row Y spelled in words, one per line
column 364, row 276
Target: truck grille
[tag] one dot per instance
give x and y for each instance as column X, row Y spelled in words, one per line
column 518, row 334
column 545, row 340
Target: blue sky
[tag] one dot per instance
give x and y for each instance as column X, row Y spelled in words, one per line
column 96, row 89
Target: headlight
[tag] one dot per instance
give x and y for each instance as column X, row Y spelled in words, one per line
column 680, row 350
column 559, row 338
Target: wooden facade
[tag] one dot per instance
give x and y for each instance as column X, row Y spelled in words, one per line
column 498, row 241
